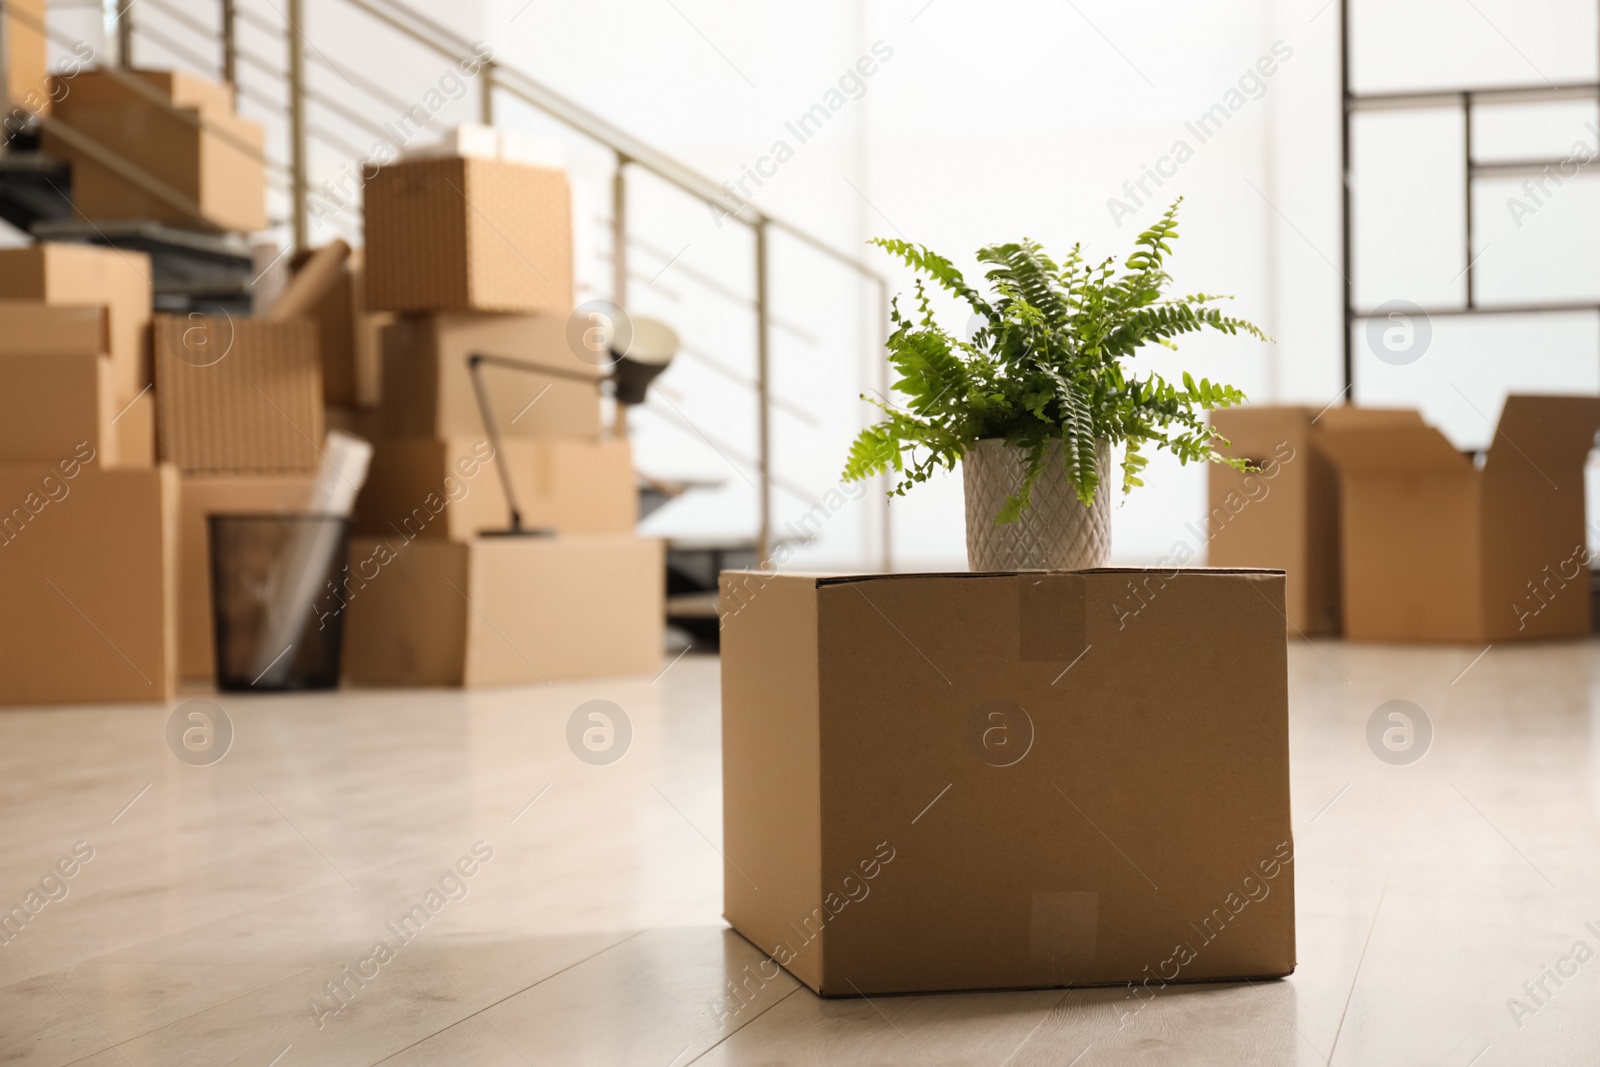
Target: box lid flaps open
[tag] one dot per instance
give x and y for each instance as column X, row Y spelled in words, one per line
column 1545, row 431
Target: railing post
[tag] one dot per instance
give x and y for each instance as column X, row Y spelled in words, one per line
column 619, row 265
column 230, row 51
column 486, row 94
column 119, row 19
column 886, row 479
column 297, row 125
column 763, row 400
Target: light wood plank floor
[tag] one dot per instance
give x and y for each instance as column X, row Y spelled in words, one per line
column 220, row 900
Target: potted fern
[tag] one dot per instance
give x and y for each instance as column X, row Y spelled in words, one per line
column 1032, row 404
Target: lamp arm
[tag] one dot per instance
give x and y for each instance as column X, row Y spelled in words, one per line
column 487, row 414
column 530, row 367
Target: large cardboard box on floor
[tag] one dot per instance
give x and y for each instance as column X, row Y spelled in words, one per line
column 1437, row 549
column 1285, row 515
column 203, row 164
column 427, row 386
column 459, row 234
column 998, row 781
column 417, row 487
column 87, row 568
column 503, row 611
column 76, row 279
column 200, row 496
column 238, row 395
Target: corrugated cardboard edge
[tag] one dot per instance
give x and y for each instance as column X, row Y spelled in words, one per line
column 772, row 779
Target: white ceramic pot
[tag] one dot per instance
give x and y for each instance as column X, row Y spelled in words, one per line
column 1056, row 532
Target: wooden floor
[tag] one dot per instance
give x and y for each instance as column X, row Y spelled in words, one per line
column 220, row 899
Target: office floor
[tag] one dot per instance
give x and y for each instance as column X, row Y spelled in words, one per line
column 208, row 905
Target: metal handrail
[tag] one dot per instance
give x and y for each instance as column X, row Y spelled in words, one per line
column 628, row 151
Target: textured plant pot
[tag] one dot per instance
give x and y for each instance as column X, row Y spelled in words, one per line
column 1056, row 532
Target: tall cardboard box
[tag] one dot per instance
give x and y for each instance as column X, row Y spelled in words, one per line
column 1437, row 549
column 200, row 496
column 460, row 234
column 87, row 574
column 72, row 276
column 503, row 611
column 1285, row 515
column 427, row 387
column 208, row 156
column 24, row 57
column 418, row 487
column 238, row 395
column 996, row 781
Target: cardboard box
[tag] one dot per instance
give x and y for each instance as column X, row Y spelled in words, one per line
column 26, row 59
column 52, row 405
column 417, row 487
column 503, row 611
column 469, row 235
column 212, row 160
column 954, row 781
column 122, row 85
column 362, row 422
column 348, row 337
column 34, row 328
column 1437, row 549
column 238, row 395
column 1286, row 517
column 72, row 277
column 427, row 388
column 87, row 566
column 198, row 497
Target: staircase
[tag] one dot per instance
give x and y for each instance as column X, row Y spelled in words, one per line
column 720, row 412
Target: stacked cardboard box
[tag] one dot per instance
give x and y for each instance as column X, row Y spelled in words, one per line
column 87, row 548
column 201, row 164
column 475, row 255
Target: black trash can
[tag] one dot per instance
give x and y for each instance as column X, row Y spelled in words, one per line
column 276, row 599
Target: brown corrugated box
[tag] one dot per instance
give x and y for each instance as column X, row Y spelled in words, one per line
column 503, row 611
column 1286, row 515
column 348, row 337
column 459, row 234
column 198, row 497
column 26, row 57
column 238, row 395
column 417, row 487
column 427, row 388
column 207, row 156
column 1436, row 549
column 87, row 574
column 51, row 404
column 953, row 781
column 122, row 85
column 72, row 278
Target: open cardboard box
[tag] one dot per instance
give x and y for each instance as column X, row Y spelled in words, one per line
column 1436, row 548
column 941, row 782
column 1285, row 516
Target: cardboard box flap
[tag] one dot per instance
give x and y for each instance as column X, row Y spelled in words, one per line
column 856, row 579
column 1393, row 449
column 1348, row 417
column 1545, row 430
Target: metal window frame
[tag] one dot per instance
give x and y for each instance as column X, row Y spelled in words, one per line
column 1464, row 98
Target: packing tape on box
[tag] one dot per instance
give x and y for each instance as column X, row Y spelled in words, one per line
column 1050, row 617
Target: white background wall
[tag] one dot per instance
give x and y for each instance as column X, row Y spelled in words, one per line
column 1022, row 118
